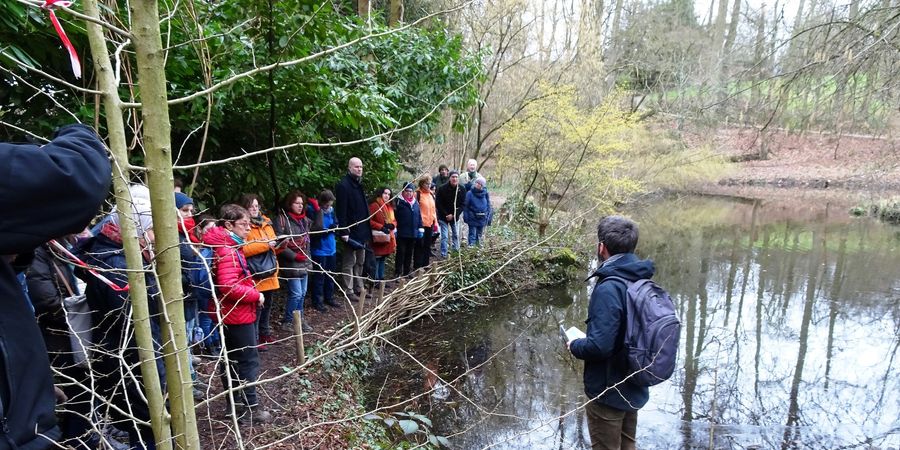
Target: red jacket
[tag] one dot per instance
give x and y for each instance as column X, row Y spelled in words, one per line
column 237, row 295
column 381, row 214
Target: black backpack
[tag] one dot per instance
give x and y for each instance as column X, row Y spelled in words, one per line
column 652, row 332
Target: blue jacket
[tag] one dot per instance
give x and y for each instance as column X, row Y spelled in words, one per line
column 351, row 209
column 477, row 211
column 409, row 218
column 45, row 192
column 321, row 240
column 604, row 365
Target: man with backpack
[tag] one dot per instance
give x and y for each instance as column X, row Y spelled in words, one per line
column 616, row 374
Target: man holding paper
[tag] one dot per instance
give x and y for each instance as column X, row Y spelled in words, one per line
column 612, row 411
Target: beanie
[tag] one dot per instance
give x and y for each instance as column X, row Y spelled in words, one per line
column 182, row 199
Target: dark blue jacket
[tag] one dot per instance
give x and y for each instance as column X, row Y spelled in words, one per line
column 409, row 218
column 604, row 365
column 477, row 211
column 351, row 207
column 45, row 192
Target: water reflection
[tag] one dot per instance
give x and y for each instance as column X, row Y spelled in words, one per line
column 791, row 323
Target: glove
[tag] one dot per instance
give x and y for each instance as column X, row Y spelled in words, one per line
column 300, row 257
column 386, row 229
column 262, row 299
column 332, row 226
column 314, row 203
column 389, row 226
column 434, row 228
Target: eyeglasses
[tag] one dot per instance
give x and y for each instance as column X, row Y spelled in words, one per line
column 243, row 223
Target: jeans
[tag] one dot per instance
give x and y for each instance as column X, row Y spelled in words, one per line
column 403, row 258
column 352, row 268
column 207, row 321
column 240, row 340
column 475, row 233
column 323, row 283
column 379, row 267
column 296, row 294
column 446, row 229
column 611, row 428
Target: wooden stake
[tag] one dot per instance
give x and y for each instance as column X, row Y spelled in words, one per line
column 362, row 301
column 380, row 297
column 298, row 335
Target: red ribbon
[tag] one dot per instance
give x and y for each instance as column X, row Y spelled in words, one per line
column 73, row 55
column 74, row 260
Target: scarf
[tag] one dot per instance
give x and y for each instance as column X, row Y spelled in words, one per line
column 297, row 217
column 237, row 239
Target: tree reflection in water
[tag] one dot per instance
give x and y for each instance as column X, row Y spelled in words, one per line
column 823, row 327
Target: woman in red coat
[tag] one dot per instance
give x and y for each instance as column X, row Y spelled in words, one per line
column 382, row 220
column 237, row 300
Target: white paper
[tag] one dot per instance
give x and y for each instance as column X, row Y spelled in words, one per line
column 574, row 333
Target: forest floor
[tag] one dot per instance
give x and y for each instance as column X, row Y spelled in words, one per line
column 811, row 160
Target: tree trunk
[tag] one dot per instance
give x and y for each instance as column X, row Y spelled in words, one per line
column 732, row 27
column 137, row 295
column 396, row 15
column 363, row 8
column 158, row 147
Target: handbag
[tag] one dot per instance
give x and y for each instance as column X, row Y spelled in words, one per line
column 263, row 265
column 380, row 237
column 78, row 317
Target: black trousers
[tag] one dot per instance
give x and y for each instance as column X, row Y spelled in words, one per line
column 243, row 360
column 404, row 256
column 422, row 254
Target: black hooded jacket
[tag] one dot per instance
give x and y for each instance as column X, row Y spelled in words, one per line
column 45, row 192
column 601, row 350
column 450, row 200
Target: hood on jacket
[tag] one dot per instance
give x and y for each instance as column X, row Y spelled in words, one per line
column 627, row 266
column 219, row 236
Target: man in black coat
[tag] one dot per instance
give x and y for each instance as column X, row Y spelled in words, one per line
column 352, row 213
column 45, row 192
column 450, row 201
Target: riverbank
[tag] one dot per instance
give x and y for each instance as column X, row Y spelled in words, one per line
column 321, row 405
column 801, row 161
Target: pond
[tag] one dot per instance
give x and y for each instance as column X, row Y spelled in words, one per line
column 790, row 333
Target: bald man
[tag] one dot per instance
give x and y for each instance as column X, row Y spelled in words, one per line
column 352, row 213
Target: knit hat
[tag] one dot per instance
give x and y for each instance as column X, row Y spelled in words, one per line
column 453, row 172
column 139, row 197
column 409, row 186
column 181, row 199
column 482, row 181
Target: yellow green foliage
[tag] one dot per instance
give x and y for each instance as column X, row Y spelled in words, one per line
column 559, row 151
column 659, row 159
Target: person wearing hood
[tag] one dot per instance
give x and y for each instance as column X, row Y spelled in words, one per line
column 352, row 212
column 113, row 333
column 45, row 192
column 293, row 225
column 238, row 301
column 477, row 213
column 614, row 402
column 409, row 223
column 190, row 263
column 260, row 242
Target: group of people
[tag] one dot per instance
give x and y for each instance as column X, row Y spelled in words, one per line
column 233, row 262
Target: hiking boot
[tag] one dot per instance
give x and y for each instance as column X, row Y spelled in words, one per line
column 261, row 347
column 267, row 339
column 332, row 303
column 353, row 297
column 305, row 327
column 320, row 308
column 254, row 415
column 287, row 326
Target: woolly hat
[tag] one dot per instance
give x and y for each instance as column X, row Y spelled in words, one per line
column 140, row 208
column 409, row 186
column 453, row 172
column 181, row 199
column 482, row 181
